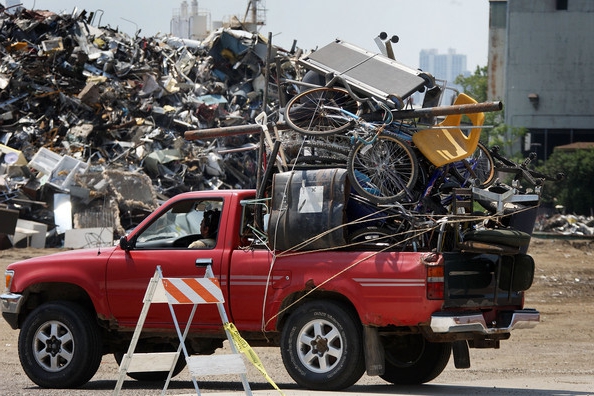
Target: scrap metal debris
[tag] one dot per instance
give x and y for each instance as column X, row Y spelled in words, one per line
column 97, row 127
column 566, row 225
column 94, row 113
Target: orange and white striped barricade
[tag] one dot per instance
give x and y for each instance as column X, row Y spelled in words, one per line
column 175, row 291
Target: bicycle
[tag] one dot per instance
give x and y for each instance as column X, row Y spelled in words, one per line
column 383, row 165
column 438, row 191
column 341, row 69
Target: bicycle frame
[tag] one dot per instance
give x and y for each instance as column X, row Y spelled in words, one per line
column 320, row 112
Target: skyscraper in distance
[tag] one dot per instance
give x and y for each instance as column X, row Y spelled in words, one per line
column 444, row 67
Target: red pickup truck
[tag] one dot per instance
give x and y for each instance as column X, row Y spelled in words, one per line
column 333, row 313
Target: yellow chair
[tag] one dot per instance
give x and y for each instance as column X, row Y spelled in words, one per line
column 444, row 143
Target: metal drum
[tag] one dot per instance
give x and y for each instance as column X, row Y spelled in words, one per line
column 308, row 209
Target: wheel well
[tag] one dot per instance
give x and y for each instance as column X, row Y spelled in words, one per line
column 295, row 300
column 45, row 292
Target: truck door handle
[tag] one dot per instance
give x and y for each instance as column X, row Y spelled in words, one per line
column 203, row 262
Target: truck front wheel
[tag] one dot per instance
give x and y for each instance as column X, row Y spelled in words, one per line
column 413, row 360
column 321, row 346
column 60, row 345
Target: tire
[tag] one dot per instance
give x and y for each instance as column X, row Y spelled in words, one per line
column 413, row 360
column 371, row 238
column 154, row 376
column 384, row 171
column 483, row 168
column 319, row 112
column 60, row 345
column 322, row 346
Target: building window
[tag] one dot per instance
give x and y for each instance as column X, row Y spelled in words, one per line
column 497, row 15
column 562, row 5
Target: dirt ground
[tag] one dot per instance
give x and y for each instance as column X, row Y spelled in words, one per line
column 560, row 347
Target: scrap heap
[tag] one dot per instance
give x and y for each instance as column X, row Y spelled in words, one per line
column 86, row 110
column 94, row 123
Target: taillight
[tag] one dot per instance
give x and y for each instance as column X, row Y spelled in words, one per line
column 435, row 282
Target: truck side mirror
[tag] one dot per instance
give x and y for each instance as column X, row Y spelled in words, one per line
column 125, row 244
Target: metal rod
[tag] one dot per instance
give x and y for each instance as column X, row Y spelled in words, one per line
column 446, row 110
column 223, row 131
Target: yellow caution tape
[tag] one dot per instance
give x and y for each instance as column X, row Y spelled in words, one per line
column 249, row 353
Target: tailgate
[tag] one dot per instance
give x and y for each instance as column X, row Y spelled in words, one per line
column 484, row 295
column 486, row 280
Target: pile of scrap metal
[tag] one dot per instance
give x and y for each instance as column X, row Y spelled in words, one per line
column 85, row 110
column 566, row 225
column 97, row 127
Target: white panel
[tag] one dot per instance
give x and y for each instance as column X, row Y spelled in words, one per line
column 88, row 237
column 32, row 230
column 144, row 362
column 216, row 365
column 62, row 212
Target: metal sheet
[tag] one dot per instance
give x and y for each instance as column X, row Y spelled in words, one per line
column 371, row 73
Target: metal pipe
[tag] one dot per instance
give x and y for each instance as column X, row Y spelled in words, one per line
column 446, row 110
column 223, row 131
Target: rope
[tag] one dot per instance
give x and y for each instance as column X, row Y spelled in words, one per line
column 436, row 224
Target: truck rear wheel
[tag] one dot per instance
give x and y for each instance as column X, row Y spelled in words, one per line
column 412, row 360
column 321, row 346
column 60, row 345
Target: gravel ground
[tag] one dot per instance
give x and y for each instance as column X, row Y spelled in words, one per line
column 557, row 352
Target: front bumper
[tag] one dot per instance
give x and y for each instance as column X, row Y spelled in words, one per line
column 11, row 307
column 448, row 322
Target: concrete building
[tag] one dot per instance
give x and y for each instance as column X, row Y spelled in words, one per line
column 541, row 55
column 190, row 23
column 193, row 23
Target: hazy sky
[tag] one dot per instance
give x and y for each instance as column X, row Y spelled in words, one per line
column 421, row 24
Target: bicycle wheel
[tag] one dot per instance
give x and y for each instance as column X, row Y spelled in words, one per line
column 319, row 111
column 478, row 166
column 384, row 171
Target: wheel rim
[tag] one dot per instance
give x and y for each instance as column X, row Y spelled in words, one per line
column 384, row 170
column 320, row 346
column 481, row 164
column 319, row 111
column 53, row 346
column 483, row 168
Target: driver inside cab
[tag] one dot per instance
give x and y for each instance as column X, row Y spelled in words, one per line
column 208, row 229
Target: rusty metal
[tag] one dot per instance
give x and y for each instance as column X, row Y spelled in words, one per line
column 223, row 131
column 446, row 110
column 401, row 114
